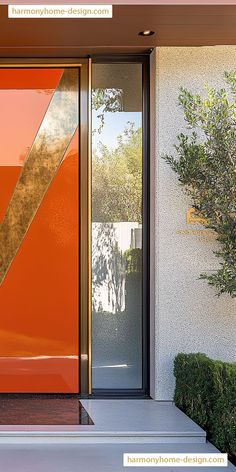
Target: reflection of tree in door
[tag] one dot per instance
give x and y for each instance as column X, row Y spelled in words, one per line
column 117, row 200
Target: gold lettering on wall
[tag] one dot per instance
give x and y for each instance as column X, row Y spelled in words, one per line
column 192, row 218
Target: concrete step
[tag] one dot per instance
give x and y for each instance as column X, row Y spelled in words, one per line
column 93, row 457
column 115, row 421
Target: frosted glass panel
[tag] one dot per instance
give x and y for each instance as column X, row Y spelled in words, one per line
column 117, row 226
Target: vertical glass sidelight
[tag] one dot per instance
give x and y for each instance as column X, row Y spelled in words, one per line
column 117, row 226
column 39, row 230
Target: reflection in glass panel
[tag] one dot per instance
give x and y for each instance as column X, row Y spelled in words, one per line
column 117, row 226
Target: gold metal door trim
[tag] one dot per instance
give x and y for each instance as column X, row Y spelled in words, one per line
column 85, row 277
column 44, row 63
column 85, row 231
column 89, row 134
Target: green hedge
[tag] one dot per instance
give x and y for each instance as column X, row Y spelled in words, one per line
column 206, row 391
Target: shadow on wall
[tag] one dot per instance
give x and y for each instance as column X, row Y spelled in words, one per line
column 117, row 299
column 111, row 259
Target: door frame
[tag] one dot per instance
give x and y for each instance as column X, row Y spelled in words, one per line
column 84, row 262
column 144, row 60
column 85, row 238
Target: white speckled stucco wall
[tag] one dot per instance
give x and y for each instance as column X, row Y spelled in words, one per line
column 188, row 315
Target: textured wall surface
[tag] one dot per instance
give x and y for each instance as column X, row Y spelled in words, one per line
column 189, row 317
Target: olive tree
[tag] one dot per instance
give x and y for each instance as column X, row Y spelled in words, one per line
column 206, row 168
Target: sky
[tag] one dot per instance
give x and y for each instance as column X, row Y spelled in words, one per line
column 115, row 124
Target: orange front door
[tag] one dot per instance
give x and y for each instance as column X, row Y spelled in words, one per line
column 39, row 337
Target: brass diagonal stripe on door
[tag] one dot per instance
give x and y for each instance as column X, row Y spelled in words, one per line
column 42, row 163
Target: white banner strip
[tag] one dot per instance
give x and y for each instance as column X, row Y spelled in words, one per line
column 59, row 11
column 175, row 460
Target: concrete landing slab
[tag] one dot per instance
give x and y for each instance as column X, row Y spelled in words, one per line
column 93, row 457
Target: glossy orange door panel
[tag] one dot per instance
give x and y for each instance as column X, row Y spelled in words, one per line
column 39, row 349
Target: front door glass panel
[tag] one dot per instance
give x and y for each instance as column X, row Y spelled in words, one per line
column 117, row 241
column 39, row 349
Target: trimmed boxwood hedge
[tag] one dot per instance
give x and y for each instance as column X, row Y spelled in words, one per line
column 206, row 391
